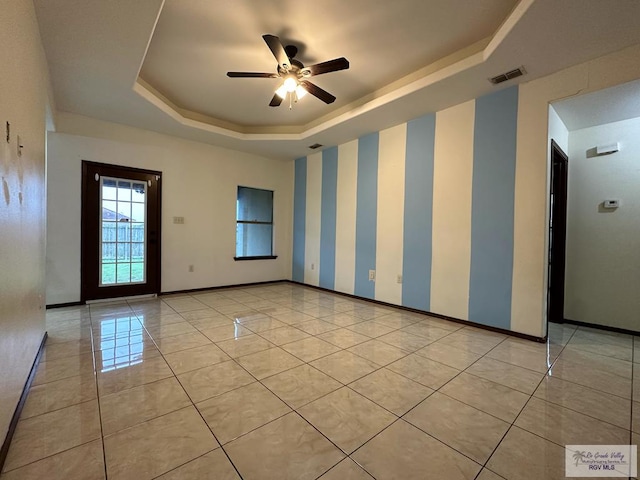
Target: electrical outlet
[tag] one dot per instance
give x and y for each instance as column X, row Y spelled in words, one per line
column 399, row 279
column 372, row 275
column 191, row 268
column 178, row 220
column 313, row 266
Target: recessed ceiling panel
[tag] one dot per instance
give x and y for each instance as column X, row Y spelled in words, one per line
column 197, row 41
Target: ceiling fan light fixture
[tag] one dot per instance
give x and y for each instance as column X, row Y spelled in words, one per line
column 282, row 91
column 290, row 84
column 300, row 92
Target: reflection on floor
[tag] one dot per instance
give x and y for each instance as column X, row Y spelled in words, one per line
column 287, row 382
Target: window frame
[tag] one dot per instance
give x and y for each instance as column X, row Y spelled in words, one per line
column 255, row 222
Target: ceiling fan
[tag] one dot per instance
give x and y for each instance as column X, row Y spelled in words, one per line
column 294, row 73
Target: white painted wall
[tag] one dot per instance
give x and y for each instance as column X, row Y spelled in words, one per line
column 451, row 231
column 199, row 183
column 313, row 220
column 390, row 214
column 602, row 283
column 558, row 132
column 24, row 101
column 346, row 200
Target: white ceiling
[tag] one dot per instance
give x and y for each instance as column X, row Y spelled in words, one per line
column 161, row 65
column 598, row 108
column 193, row 46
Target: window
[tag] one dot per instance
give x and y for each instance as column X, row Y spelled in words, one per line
column 254, row 227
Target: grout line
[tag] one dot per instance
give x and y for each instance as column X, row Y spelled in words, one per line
column 525, row 405
column 95, row 376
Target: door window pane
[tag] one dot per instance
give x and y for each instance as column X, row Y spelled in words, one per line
column 122, row 236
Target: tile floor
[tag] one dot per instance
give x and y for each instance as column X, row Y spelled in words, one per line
column 287, row 382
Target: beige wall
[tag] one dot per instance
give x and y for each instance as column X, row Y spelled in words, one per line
column 24, row 93
column 199, row 183
column 603, row 246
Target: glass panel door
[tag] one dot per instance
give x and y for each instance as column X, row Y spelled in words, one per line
column 122, row 231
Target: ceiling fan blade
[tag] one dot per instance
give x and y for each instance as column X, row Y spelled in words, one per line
column 251, row 75
column 275, row 101
column 325, row 67
column 316, row 91
column 277, row 49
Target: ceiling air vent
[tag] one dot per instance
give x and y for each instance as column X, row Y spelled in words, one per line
column 315, row 145
column 518, row 72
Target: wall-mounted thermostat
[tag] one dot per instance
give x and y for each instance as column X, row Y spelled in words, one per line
column 611, row 203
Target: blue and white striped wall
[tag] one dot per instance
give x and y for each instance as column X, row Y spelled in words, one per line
column 430, row 201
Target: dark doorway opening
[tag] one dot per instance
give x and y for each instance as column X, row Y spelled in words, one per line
column 557, row 233
column 120, row 244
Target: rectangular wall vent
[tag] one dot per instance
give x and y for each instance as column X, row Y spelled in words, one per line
column 503, row 77
column 315, row 145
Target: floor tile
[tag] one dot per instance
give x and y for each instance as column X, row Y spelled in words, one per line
column 466, row 429
column 345, row 366
column 157, row 446
column 486, row 474
column 427, row 331
column 512, row 376
column 346, row 470
column 214, row 380
column 371, row 329
column 567, row 427
column 448, row 355
column 301, row 385
column 378, row 352
column 194, row 358
column 606, row 374
column 342, row 319
column 200, row 314
column 344, row 338
column 392, row 391
column 316, row 327
column 346, row 418
column 268, row 362
column 403, row 452
column 310, row 349
column 285, row 449
column 155, row 321
column 514, row 354
column 225, row 332
column 50, row 433
column 59, row 394
column 227, row 421
column 136, row 405
column 490, row 397
column 84, row 462
column 58, row 369
column 524, row 456
column 125, row 356
column 601, row 405
column 67, row 349
column 146, row 371
column 283, row 335
column 211, row 466
column 246, row 345
column 263, row 324
column 478, row 344
column 185, row 341
column 423, row 370
column 405, row 341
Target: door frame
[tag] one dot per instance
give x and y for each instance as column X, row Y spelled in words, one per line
column 557, row 235
column 87, row 251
